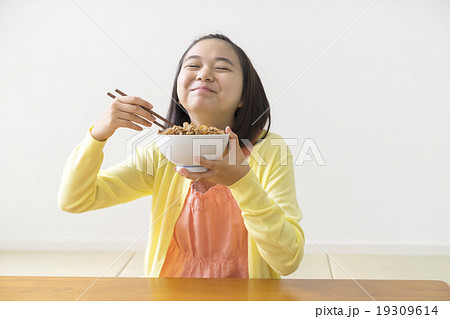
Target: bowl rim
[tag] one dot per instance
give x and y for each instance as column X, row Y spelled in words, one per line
column 198, row 135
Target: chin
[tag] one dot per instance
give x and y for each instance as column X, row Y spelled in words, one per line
column 199, row 106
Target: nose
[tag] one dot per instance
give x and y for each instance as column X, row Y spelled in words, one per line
column 204, row 75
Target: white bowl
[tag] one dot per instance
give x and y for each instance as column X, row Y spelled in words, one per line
column 181, row 149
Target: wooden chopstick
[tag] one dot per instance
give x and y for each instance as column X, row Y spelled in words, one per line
column 152, row 112
column 160, row 125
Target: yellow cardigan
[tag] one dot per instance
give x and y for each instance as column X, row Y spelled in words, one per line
column 266, row 196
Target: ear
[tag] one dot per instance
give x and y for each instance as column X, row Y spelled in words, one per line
column 240, row 104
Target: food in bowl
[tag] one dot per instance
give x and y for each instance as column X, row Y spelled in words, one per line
column 191, row 129
column 180, row 144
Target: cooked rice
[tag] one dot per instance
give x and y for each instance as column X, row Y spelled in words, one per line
column 191, row 129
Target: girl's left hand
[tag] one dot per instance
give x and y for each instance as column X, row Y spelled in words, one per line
column 226, row 171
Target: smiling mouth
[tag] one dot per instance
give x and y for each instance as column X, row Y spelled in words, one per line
column 202, row 90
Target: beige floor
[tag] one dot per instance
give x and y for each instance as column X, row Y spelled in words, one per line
column 313, row 266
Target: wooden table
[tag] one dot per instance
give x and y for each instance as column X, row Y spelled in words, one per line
column 113, row 288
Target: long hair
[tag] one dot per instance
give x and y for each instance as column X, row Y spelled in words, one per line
column 249, row 119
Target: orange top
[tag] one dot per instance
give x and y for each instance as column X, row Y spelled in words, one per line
column 210, row 238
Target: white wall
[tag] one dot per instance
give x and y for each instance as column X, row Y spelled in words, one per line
column 376, row 105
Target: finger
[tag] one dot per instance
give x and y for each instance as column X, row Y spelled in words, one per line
column 131, row 125
column 234, row 154
column 138, row 106
column 135, row 100
column 136, row 109
column 233, row 141
column 231, row 133
column 134, row 118
column 144, row 113
column 233, row 147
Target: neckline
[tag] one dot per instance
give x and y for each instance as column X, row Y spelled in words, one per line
column 199, row 193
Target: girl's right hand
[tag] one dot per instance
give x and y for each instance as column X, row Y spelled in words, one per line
column 123, row 111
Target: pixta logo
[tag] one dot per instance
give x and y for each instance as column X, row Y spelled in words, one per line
column 143, row 148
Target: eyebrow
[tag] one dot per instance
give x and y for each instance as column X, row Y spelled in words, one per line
column 219, row 58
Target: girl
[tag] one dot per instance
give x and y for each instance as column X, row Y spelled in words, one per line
column 237, row 220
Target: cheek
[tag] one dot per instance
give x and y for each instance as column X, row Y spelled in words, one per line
column 234, row 87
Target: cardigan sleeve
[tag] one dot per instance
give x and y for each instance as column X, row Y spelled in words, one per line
column 267, row 198
column 85, row 187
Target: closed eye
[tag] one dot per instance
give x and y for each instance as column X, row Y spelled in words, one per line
column 192, row 66
column 221, row 68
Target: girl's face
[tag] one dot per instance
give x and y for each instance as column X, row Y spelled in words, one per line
column 210, row 83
